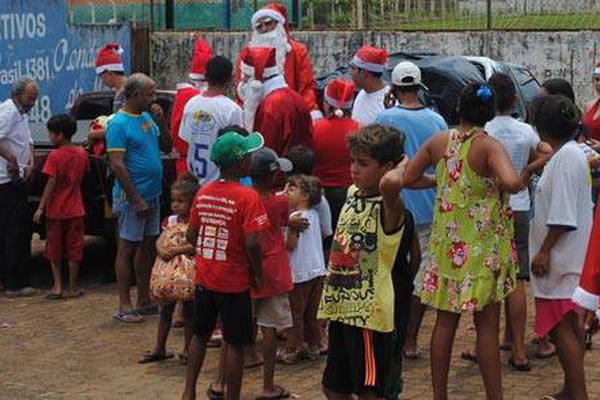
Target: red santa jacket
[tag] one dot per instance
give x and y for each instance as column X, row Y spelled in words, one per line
column 588, row 292
column 184, row 94
column 298, row 73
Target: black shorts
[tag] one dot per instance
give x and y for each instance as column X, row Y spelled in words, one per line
column 358, row 360
column 235, row 310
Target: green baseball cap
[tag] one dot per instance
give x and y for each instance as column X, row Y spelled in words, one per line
column 231, row 147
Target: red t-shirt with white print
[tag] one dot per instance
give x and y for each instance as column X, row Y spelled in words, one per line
column 224, row 212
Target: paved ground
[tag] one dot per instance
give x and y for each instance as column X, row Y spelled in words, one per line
column 72, row 349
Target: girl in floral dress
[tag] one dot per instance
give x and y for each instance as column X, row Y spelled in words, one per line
column 472, row 263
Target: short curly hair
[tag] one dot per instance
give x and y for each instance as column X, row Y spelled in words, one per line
column 309, row 185
column 380, row 142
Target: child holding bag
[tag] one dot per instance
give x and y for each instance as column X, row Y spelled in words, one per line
column 173, row 273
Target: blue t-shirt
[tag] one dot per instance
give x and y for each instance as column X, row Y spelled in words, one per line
column 137, row 136
column 418, row 125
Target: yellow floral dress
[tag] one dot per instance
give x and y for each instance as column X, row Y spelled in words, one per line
column 473, row 259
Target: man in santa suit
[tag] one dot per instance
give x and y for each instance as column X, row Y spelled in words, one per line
column 271, row 107
column 185, row 91
column 270, row 28
column 366, row 69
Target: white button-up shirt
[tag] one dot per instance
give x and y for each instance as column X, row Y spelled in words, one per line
column 15, row 133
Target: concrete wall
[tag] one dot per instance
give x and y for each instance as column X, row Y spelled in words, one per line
column 570, row 55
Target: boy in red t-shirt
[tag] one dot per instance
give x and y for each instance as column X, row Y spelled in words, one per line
column 225, row 220
column 271, row 303
column 62, row 203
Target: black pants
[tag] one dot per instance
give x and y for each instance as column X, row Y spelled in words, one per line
column 15, row 236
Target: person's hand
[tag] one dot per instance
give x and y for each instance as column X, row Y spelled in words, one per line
column 389, row 100
column 167, row 255
column 141, row 207
column 157, row 111
column 594, row 144
column 12, row 168
column 540, row 265
column 298, row 223
column 588, row 321
column 37, row 216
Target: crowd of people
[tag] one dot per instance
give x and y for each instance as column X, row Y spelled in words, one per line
column 332, row 227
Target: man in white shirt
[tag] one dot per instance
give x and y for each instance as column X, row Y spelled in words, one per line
column 366, row 69
column 207, row 113
column 16, row 169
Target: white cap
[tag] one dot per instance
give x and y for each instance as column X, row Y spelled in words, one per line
column 407, row 74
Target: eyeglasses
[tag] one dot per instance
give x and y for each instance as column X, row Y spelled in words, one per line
column 265, row 23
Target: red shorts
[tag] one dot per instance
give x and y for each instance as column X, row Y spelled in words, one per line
column 64, row 237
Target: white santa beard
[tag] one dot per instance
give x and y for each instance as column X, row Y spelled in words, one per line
column 276, row 38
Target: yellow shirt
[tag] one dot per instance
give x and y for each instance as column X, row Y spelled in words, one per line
column 358, row 288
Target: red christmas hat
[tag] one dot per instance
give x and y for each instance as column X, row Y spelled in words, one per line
column 202, row 53
column 275, row 11
column 597, row 68
column 370, row 58
column 339, row 93
column 109, row 58
column 260, row 62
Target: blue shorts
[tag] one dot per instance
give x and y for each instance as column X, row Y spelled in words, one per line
column 133, row 227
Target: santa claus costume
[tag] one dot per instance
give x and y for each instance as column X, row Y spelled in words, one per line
column 298, row 70
column 369, row 104
column 270, row 106
column 185, row 91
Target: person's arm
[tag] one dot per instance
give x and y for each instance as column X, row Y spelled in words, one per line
column 191, row 235
column 116, row 161
column 30, row 172
column 255, row 258
column 291, row 239
column 389, row 186
column 540, row 264
column 502, row 170
column 165, row 142
column 12, row 166
column 415, row 254
column 48, row 189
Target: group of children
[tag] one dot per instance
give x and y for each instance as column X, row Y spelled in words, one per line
column 241, row 257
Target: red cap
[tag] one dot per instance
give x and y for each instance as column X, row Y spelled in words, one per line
column 339, row 93
column 260, row 62
column 202, row 53
column 370, row 58
column 109, row 58
column 275, row 11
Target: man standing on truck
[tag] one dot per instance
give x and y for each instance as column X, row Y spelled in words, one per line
column 134, row 142
column 16, row 170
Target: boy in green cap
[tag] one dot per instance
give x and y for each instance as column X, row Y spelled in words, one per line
column 224, row 223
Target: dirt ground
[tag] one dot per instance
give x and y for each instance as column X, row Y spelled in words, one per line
column 73, row 349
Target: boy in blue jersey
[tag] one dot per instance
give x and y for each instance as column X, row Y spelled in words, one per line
column 134, row 142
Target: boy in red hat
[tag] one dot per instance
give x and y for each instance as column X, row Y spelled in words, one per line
column 110, row 70
column 270, row 28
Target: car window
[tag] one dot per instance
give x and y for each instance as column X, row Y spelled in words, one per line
column 528, row 88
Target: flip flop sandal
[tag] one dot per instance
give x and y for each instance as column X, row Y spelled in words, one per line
column 77, row 294
column 183, row 359
column 413, row 355
column 154, row 357
column 213, row 394
column 543, row 356
column 148, row 310
column 54, row 296
column 466, row 355
column 519, row 367
column 128, row 316
column 283, row 394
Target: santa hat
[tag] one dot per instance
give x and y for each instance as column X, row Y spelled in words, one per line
column 370, row 59
column 202, row 53
column 260, row 63
column 339, row 93
column 109, row 59
column 275, row 11
column 597, row 69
